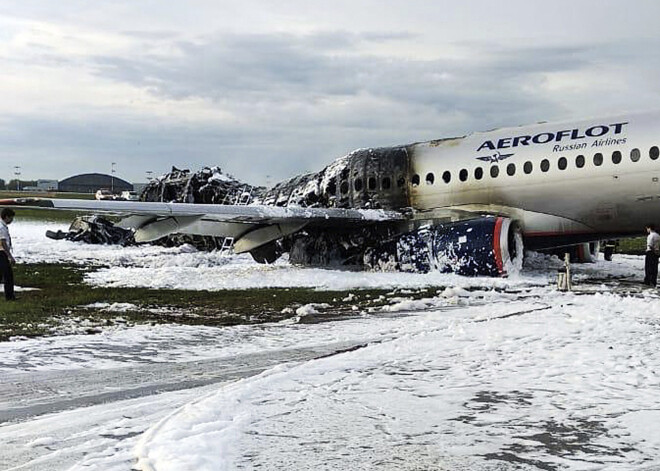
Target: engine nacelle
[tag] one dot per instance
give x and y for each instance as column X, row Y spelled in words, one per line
column 489, row 246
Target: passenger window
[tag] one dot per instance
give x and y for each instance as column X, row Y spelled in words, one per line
column 545, row 165
column 654, row 153
column 332, row 186
column 527, row 168
column 478, row 173
column 579, row 161
column 358, row 184
column 511, row 169
column 446, row 177
column 387, row 183
column 430, row 178
column 400, row 181
column 371, row 183
column 463, row 174
column 494, row 171
column 343, row 187
column 562, row 163
column 598, row 159
column 616, row 157
column 415, row 180
column 635, row 155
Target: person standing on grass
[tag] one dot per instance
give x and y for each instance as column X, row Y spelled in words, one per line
column 652, row 255
column 6, row 258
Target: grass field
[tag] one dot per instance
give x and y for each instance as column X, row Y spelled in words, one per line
column 60, row 299
column 60, row 295
column 635, row 246
column 44, row 214
column 49, row 194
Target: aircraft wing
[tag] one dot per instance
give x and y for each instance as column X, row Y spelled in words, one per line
column 251, row 226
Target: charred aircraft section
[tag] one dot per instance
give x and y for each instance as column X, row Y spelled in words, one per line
column 94, row 230
column 208, row 186
column 364, row 179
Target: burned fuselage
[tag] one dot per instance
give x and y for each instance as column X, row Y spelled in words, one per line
column 364, row 179
column 388, row 178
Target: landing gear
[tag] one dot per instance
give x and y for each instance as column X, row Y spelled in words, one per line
column 266, row 253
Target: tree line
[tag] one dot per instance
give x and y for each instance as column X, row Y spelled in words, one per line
column 14, row 184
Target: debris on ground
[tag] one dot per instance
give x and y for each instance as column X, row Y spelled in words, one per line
column 208, row 186
column 94, row 230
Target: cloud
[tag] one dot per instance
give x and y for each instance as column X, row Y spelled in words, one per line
column 282, row 103
column 279, row 73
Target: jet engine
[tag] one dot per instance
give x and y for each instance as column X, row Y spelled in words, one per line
column 488, row 246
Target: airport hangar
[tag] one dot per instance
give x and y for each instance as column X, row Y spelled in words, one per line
column 90, row 182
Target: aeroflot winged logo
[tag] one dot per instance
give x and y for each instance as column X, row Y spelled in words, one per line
column 576, row 134
column 496, row 157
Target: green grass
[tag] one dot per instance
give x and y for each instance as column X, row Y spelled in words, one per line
column 49, row 194
column 62, row 294
column 40, row 214
column 634, row 246
column 45, row 215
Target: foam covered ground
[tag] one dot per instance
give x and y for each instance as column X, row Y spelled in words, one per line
column 482, row 374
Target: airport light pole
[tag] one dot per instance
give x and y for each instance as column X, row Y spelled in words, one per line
column 112, row 177
column 17, row 172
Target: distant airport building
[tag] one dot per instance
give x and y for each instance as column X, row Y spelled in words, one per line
column 47, row 185
column 43, row 185
column 90, row 182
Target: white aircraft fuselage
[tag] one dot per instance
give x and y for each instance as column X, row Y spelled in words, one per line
column 460, row 204
column 577, row 181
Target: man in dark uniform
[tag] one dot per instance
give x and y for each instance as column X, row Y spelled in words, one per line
column 610, row 247
column 652, row 255
column 6, row 257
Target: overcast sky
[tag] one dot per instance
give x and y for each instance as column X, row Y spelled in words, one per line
column 269, row 89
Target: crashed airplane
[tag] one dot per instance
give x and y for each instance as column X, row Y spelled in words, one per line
column 465, row 204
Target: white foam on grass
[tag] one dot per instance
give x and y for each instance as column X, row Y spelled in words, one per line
column 565, row 386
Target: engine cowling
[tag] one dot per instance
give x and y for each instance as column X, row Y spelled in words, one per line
column 490, row 246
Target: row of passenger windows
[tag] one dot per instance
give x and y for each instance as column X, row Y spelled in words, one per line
column 528, row 167
column 494, row 170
